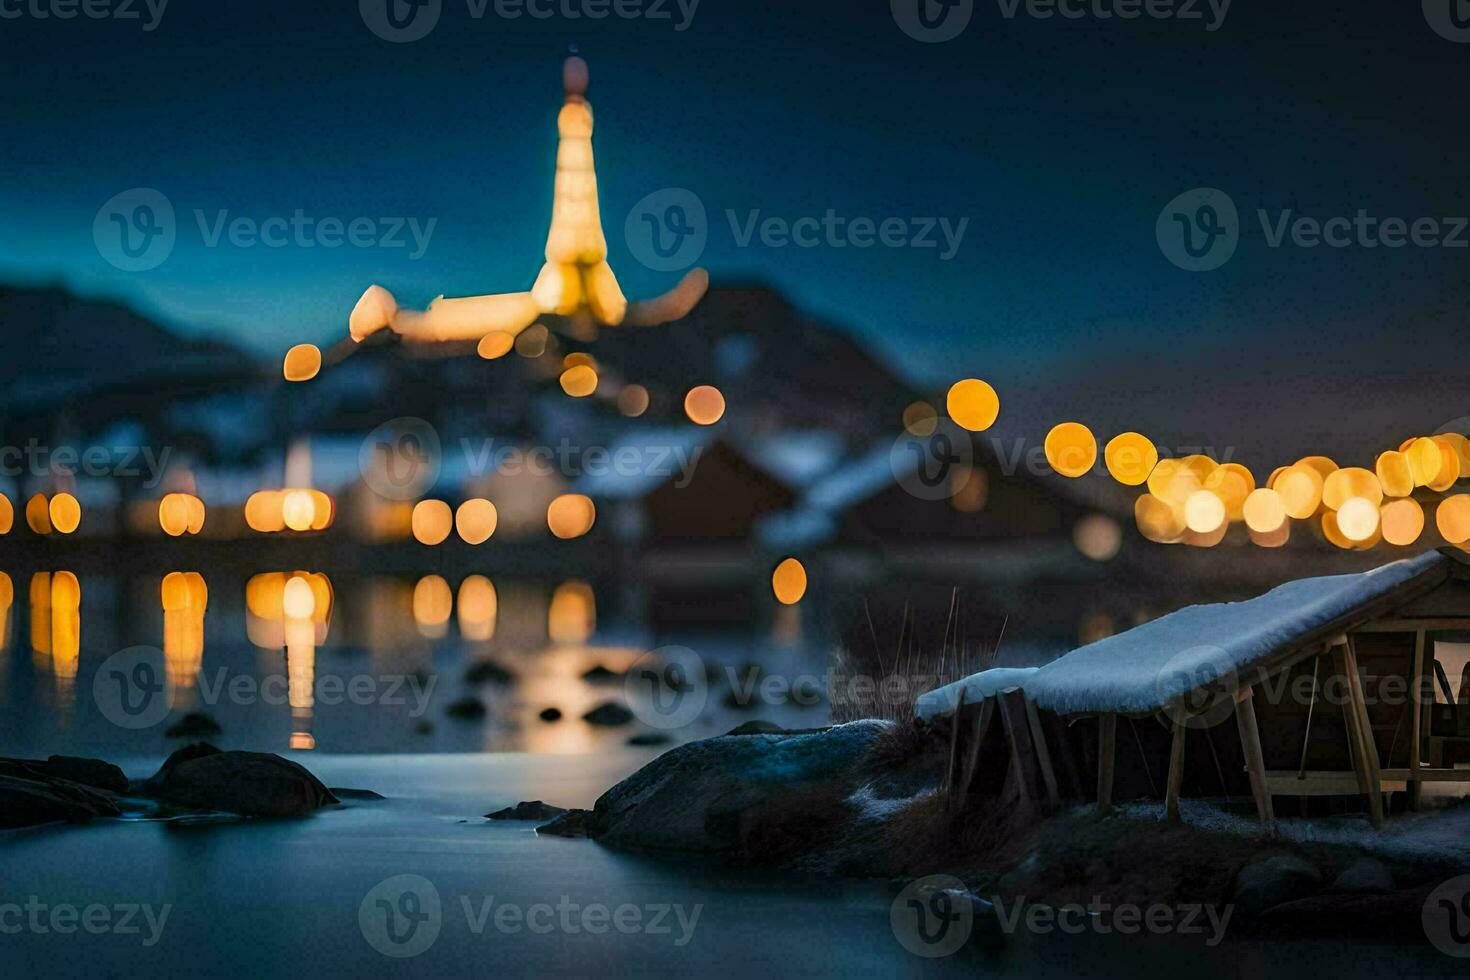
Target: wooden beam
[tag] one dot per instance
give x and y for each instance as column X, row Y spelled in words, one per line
column 1107, row 745
column 1250, row 743
column 1043, row 754
column 1360, row 733
column 982, row 726
column 1022, row 751
column 1176, row 772
column 1325, row 783
column 954, row 748
column 1413, row 625
column 1416, row 721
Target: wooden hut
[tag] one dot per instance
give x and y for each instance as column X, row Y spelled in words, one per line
column 1332, row 684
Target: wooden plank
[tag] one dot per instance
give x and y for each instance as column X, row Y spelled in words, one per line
column 1043, row 754
column 954, row 748
column 1022, row 750
column 1416, row 721
column 1176, row 772
column 1366, row 757
column 1317, row 783
column 1250, row 743
column 982, row 726
column 1107, row 745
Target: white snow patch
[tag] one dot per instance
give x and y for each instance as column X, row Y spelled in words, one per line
column 1147, row 667
column 871, row 807
column 943, row 701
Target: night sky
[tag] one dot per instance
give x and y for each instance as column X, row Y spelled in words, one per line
column 1059, row 140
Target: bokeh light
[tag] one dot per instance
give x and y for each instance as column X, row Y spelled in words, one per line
column 920, row 419
column 65, row 512
column 1158, row 520
column 38, row 514
column 579, row 381
column 704, row 405
column 298, row 601
column 1425, row 460
column 789, row 582
column 7, row 514
column 1357, row 519
column 1353, row 481
column 1071, row 449
column 1402, row 521
column 633, row 401
column 476, row 520
column 1130, row 457
column 495, row 345
column 1098, row 537
column 303, row 362
column 972, row 404
column 298, row 510
column 1264, row 512
column 1232, row 483
column 1300, row 487
column 1204, row 512
column 1452, row 517
column 571, row 516
column 1392, row 470
column 432, row 522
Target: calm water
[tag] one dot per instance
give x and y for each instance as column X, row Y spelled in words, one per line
column 339, row 664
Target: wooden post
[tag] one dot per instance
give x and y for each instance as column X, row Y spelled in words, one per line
column 1043, row 755
column 1176, row 772
column 954, row 747
column 1250, row 743
column 982, row 726
column 1107, row 743
column 1368, row 746
column 1416, row 722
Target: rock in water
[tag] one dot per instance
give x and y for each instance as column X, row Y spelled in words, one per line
column 609, row 714
column 488, row 672
column 88, row 772
column 29, row 802
column 1273, row 879
column 550, row 714
column 466, row 709
column 355, row 794
column 535, row 810
column 602, row 675
column 756, row 728
column 251, row 784
column 573, row 823
column 649, row 739
column 193, row 725
column 698, row 797
column 1365, row 875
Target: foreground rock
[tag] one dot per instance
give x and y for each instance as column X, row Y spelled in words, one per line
column 609, row 714
column 573, row 823
column 535, row 810
column 735, row 793
column 250, row 784
column 88, row 772
column 32, row 802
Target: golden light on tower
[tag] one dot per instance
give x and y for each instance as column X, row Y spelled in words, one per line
column 972, row 404
column 1071, row 449
column 1130, row 457
column 574, row 282
column 789, row 582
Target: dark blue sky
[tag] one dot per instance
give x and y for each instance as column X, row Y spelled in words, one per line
column 1059, row 141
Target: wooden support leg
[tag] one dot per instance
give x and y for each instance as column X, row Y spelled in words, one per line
column 1250, row 743
column 1416, row 721
column 982, row 725
column 1370, row 774
column 1043, row 754
column 1176, row 773
column 954, row 747
column 1107, row 744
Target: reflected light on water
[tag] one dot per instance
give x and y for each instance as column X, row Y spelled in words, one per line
column 433, row 603
column 573, row 614
column 184, row 596
column 478, row 606
column 7, row 600
column 7, row 514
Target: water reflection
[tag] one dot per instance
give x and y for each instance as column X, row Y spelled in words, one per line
column 56, row 629
column 292, row 612
column 573, row 614
column 184, row 596
column 478, row 608
column 433, row 603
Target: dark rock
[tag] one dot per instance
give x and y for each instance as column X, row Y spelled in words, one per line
column 535, row 810
column 423, row 727
column 602, row 675
column 1272, row 879
column 550, row 714
column 466, row 709
column 88, row 772
column 251, row 784
column 193, row 725
column 32, row 802
column 701, row 796
column 647, row 739
column 573, row 823
column 196, row 750
column 609, row 714
column 488, row 672
column 355, row 794
column 1365, row 875
column 1383, row 916
column 757, row 727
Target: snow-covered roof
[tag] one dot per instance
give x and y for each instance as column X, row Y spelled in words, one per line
column 859, row 479
column 942, row 701
column 1151, row 665
column 797, row 458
